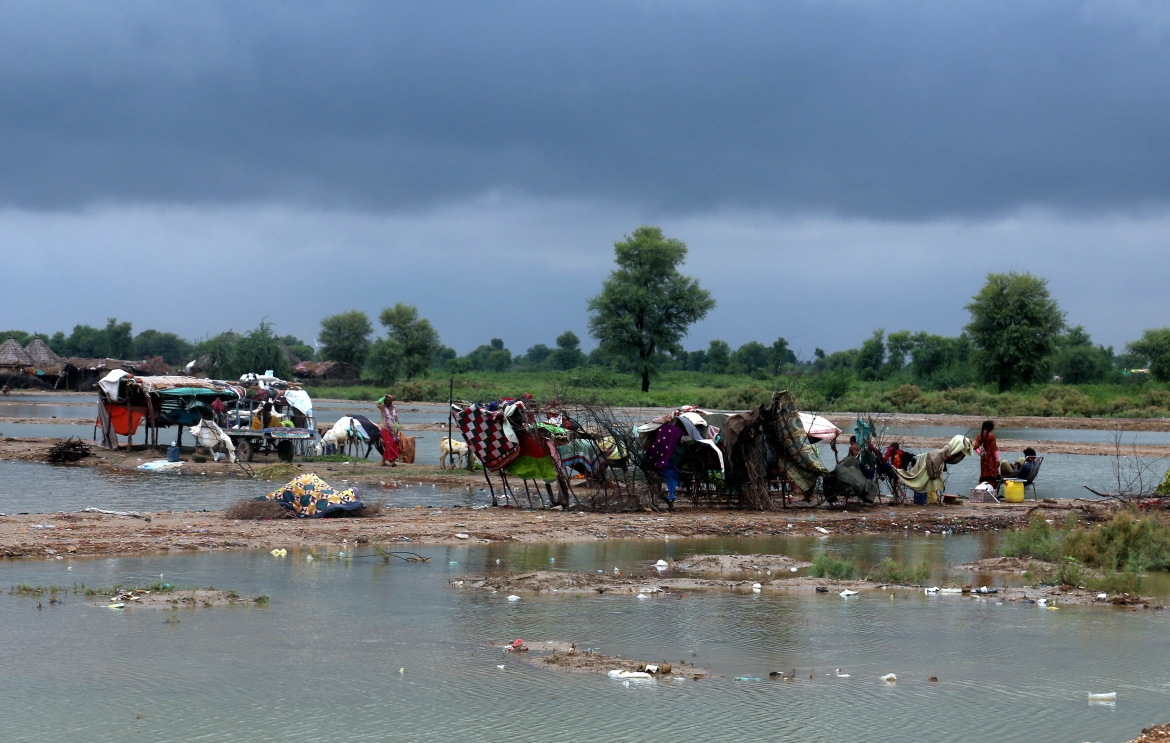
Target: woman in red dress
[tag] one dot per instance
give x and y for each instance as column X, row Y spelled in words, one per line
column 988, row 451
column 389, row 431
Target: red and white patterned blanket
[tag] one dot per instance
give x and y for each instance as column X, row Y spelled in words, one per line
column 483, row 430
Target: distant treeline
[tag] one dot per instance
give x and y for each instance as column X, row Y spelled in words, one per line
column 1017, row 337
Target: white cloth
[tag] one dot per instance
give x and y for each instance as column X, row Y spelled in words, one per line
column 208, row 433
column 818, row 427
column 109, row 384
column 300, row 400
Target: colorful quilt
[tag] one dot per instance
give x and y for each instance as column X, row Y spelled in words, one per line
column 581, row 455
column 483, row 430
column 311, row 497
column 796, row 457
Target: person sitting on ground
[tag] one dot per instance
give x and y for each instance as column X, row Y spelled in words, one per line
column 5, row 389
column 854, row 449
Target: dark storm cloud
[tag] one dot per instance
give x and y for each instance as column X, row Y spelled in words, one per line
column 885, row 110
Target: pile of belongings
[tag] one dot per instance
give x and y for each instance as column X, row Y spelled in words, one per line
column 682, row 440
column 311, row 497
column 502, row 437
column 777, row 429
column 926, row 476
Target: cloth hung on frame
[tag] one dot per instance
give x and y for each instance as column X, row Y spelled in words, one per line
column 483, row 430
column 661, row 450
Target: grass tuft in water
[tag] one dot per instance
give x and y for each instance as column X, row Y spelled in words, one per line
column 1038, row 541
column 261, row 600
column 891, row 571
column 24, row 589
column 828, row 567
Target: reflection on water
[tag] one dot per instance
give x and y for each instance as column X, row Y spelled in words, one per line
column 321, row 662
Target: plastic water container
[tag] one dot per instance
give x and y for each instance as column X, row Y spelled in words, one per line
column 172, row 453
column 1013, row 490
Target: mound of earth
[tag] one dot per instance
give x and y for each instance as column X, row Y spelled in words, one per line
column 1008, row 565
column 565, row 656
column 725, row 564
column 1155, row 734
column 552, row 581
column 177, row 599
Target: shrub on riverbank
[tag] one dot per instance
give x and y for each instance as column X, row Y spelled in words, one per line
column 892, row 571
column 828, row 567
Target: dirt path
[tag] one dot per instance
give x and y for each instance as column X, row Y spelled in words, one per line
column 67, row 534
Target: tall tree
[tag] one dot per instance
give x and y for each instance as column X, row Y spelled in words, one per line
column 1154, row 347
column 646, row 305
column 259, row 350
column 871, row 356
column 413, row 338
column 346, row 337
column 1014, row 327
column 173, row 349
column 718, row 357
column 119, row 339
column 779, row 355
column 568, row 354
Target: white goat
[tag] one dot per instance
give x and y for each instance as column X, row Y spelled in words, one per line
column 345, row 431
column 455, row 450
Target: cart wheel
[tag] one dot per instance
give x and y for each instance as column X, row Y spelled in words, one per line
column 284, row 451
column 246, row 450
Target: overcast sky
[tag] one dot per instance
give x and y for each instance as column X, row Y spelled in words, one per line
column 833, row 166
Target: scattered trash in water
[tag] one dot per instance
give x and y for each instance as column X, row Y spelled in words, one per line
column 552, row 559
column 453, row 562
column 500, row 666
column 119, row 606
column 747, row 678
column 462, row 536
column 619, row 674
column 821, row 529
column 401, row 671
column 661, row 565
column 792, row 569
column 847, row 593
column 842, row 675
column 822, row 589
column 890, row 678
column 933, row 679
column 513, row 597
column 1104, row 697
column 1102, row 596
column 279, row 552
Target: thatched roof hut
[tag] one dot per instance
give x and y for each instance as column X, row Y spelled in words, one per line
column 42, row 356
column 13, row 355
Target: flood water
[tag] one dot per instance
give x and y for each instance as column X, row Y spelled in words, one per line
column 321, row 662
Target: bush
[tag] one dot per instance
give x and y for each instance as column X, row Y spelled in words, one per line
column 827, row 567
column 1125, row 543
column 1038, row 541
column 891, row 571
column 247, row 508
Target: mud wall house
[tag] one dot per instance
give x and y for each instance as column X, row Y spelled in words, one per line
column 17, row 369
column 337, row 373
column 81, row 374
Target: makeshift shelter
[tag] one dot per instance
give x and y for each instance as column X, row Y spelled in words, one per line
column 125, row 400
column 42, row 356
column 927, row 474
column 332, row 372
column 14, row 357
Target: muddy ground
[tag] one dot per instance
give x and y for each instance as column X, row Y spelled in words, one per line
column 568, row 658
column 1154, row 734
column 65, row 534
column 650, row 586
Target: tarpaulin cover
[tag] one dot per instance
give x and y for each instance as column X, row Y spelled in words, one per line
column 125, row 422
column 311, row 497
column 300, row 400
column 818, row 427
column 483, row 430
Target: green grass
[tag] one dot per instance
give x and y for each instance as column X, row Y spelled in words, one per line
column 1037, row 541
column 24, row 589
column 829, row 393
column 828, row 567
column 892, row 571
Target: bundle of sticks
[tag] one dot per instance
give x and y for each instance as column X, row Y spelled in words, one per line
column 69, row 450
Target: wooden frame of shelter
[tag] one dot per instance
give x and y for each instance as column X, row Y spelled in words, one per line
column 157, row 401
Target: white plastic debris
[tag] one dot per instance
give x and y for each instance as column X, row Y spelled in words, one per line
column 932, row 589
column 847, row 593
column 842, row 675
column 1103, row 697
column 792, row 569
column 513, row 597
column 619, row 674
column 821, row 529
column 890, row 678
column 1102, row 596
column 661, row 565
column 462, row 536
